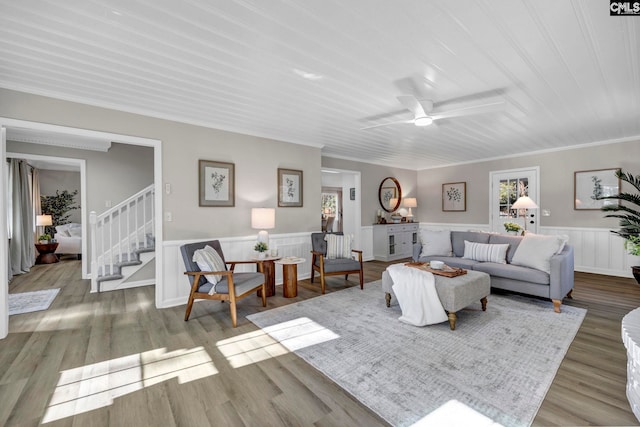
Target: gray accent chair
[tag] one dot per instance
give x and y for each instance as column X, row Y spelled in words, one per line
column 332, row 267
column 232, row 287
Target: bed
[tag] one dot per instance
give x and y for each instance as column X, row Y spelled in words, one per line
column 69, row 239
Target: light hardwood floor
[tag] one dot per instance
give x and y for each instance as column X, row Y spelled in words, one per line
column 81, row 329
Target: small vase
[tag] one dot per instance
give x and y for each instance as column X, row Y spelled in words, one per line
column 636, row 272
column 262, row 255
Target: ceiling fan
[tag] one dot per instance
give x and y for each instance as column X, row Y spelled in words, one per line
column 424, row 113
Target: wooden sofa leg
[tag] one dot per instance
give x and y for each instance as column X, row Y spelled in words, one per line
column 556, row 305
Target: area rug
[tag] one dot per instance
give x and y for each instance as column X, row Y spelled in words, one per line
column 500, row 362
column 28, row 302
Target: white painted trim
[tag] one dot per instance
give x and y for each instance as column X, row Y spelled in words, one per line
column 124, row 139
column 4, row 240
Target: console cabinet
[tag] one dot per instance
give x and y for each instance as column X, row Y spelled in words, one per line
column 394, row 241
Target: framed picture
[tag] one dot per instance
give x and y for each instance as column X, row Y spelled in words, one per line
column 216, row 183
column 289, row 188
column 352, row 193
column 454, row 197
column 588, row 186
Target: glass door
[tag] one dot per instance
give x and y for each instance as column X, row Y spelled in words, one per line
column 506, row 188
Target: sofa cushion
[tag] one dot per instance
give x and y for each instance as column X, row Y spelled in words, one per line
column 435, row 242
column 513, row 241
column 536, row 250
column 515, row 272
column 486, row 252
column 458, row 238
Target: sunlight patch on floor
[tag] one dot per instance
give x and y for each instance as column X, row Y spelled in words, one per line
column 455, row 414
column 95, row 386
column 274, row 341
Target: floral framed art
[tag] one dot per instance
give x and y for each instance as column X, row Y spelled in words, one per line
column 454, row 197
column 216, row 183
column 588, row 186
column 289, row 188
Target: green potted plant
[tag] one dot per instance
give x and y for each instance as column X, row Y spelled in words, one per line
column 261, row 248
column 629, row 216
column 512, row 227
column 59, row 207
column 44, row 238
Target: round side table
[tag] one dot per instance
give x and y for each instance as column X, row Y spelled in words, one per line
column 290, row 276
column 46, row 251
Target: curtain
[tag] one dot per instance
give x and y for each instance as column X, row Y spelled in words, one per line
column 37, row 208
column 21, row 248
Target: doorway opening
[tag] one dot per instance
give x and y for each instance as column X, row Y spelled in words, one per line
column 332, row 209
column 506, row 187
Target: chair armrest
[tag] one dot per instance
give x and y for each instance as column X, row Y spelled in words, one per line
column 316, row 253
column 205, row 273
column 233, row 263
column 359, row 252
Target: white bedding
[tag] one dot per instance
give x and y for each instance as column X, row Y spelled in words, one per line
column 416, row 293
column 69, row 238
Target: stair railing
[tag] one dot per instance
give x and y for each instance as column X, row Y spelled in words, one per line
column 116, row 233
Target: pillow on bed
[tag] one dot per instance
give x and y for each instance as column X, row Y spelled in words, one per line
column 63, row 230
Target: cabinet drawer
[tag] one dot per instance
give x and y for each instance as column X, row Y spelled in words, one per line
column 397, row 228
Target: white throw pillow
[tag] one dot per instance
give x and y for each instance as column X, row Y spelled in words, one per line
column 435, row 242
column 75, row 232
column 486, row 252
column 536, row 250
column 338, row 246
column 208, row 259
column 563, row 239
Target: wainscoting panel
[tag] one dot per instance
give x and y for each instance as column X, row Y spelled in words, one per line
column 176, row 284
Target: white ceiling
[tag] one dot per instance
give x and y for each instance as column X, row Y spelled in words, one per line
column 569, row 72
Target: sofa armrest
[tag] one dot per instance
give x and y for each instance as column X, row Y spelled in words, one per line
column 417, row 249
column 561, row 277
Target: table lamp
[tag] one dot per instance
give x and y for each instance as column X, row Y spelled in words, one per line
column 263, row 219
column 44, row 221
column 524, row 203
column 410, row 202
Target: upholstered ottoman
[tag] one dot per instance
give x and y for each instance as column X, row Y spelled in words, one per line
column 455, row 293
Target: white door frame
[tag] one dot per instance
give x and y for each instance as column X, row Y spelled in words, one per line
column 534, row 193
column 357, row 211
column 124, row 139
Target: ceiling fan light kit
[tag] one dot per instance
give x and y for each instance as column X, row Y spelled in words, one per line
column 423, row 121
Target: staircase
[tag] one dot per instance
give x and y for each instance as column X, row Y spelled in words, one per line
column 122, row 243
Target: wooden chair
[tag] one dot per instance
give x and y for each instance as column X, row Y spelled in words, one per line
column 332, row 267
column 232, row 287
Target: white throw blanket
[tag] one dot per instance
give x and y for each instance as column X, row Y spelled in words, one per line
column 416, row 293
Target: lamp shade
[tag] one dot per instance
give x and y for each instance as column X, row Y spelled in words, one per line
column 524, row 202
column 263, row 218
column 410, row 202
column 43, row 220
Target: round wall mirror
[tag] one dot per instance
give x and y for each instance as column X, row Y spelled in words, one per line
column 390, row 194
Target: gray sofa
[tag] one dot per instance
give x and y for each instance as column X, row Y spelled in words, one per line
column 555, row 286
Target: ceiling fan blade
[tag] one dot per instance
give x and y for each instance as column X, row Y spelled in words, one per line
column 469, row 110
column 387, row 124
column 412, row 104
